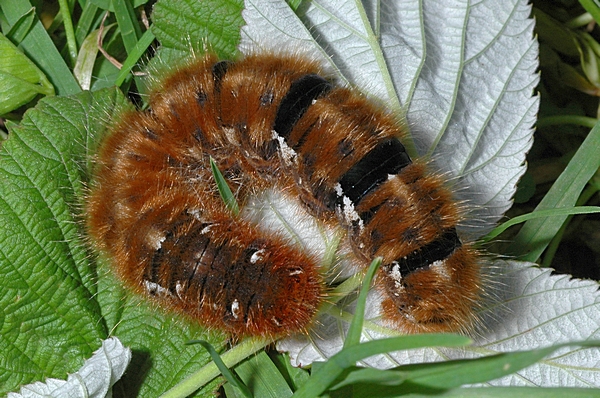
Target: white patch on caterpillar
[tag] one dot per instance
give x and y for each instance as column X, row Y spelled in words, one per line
column 206, row 229
column 396, row 275
column 179, row 289
column 198, row 256
column 347, row 208
column 350, row 215
column 257, row 256
column 235, row 308
column 288, row 155
column 338, row 190
column 155, row 289
column 230, row 134
column 196, row 213
column 440, row 268
column 155, row 238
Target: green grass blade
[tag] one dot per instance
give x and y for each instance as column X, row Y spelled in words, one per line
column 86, row 22
column 294, row 376
column 132, row 59
column 232, row 357
column 38, row 46
column 451, row 374
column 539, row 214
column 441, row 376
column 69, row 30
column 228, row 374
column 86, row 59
column 356, row 325
column 263, row 377
column 130, row 31
column 126, row 19
column 224, row 189
column 370, row 391
column 341, row 362
column 535, row 235
column 591, row 6
column 584, row 121
column 349, row 356
column 22, row 26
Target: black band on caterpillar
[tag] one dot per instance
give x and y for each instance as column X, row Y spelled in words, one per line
column 434, row 252
column 298, row 99
column 388, row 157
column 218, row 71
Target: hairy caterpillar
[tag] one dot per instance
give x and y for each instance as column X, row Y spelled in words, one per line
column 274, row 121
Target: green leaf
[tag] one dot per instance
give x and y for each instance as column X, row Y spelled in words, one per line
column 96, row 377
column 53, row 293
column 156, row 337
column 48, row 281
column 210, row 24
column 20, row 79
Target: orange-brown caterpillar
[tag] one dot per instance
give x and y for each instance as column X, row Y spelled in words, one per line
column 273, row 121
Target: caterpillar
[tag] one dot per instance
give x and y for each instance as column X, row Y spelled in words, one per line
column 274, row 121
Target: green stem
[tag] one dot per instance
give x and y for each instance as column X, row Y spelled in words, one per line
column 566, row 119
column 69, row 31
column 579, row 21
column 210, row 370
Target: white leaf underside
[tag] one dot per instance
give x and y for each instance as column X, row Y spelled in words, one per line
column 463, row 74
column 93, row 380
